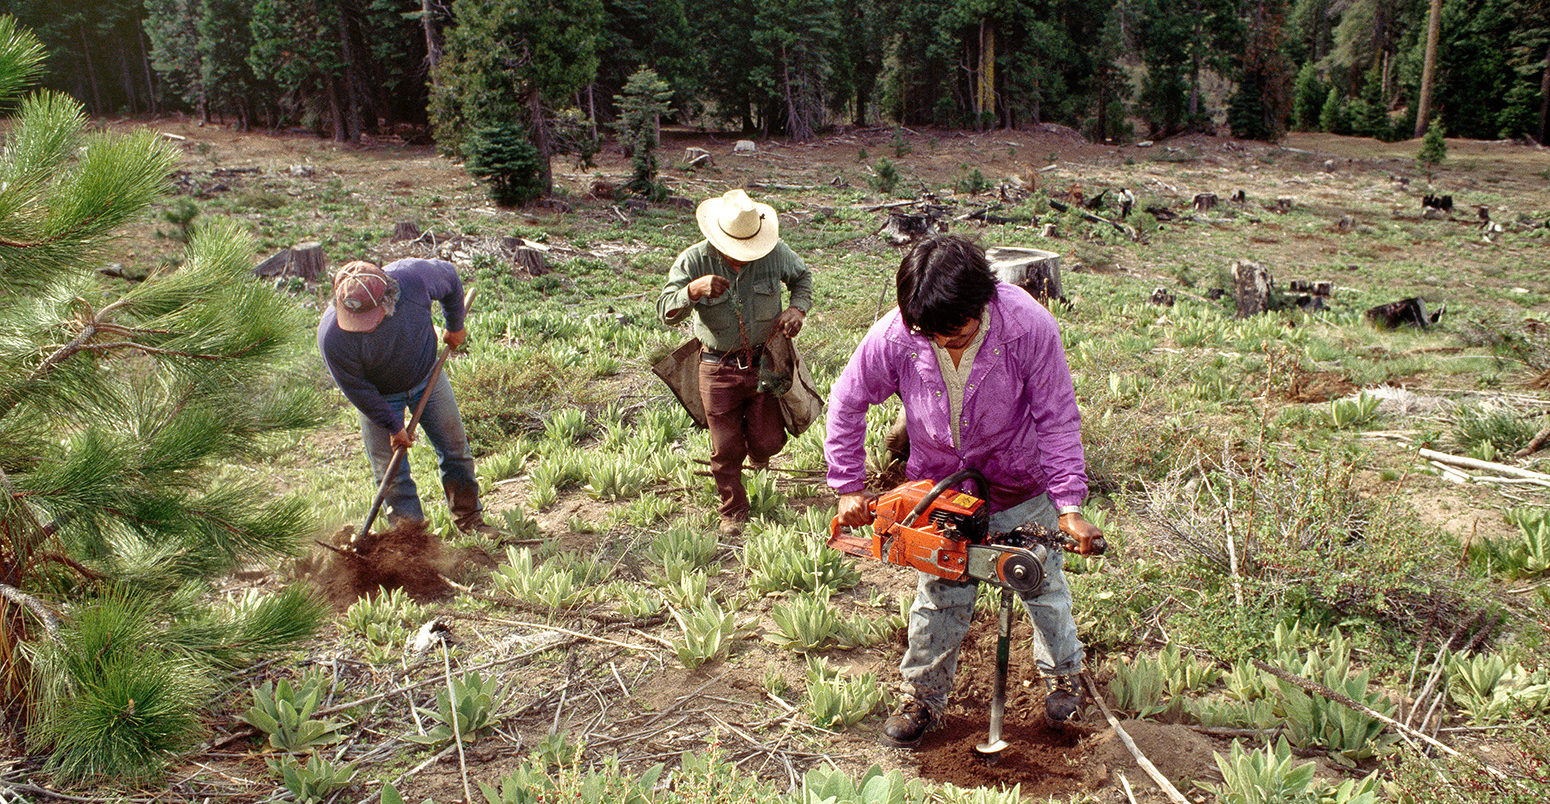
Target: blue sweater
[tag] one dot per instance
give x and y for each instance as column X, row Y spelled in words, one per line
column 397, row 356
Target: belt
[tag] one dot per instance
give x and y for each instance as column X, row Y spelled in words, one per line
column 739, row 358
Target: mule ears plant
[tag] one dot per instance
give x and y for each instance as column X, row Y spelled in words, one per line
column 117, row 406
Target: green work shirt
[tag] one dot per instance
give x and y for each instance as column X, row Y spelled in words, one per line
column 751, row 304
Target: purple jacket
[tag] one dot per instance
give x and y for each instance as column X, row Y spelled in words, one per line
column 1020, row 427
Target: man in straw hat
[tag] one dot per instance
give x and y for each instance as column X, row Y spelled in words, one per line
column 380, row 344
column 730, row 282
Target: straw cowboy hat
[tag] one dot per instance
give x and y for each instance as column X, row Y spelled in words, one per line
column 737, row 226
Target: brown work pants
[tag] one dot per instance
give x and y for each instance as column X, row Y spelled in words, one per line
column 743, row 424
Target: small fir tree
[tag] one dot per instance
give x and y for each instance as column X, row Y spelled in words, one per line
column 1308, row 94
column 1332, row 114
column 1433, row 149
column 641, row 105
column 502, row 156
column 118, row 404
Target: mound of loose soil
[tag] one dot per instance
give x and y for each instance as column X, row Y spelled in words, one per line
column 406, row 556
column 1180, row 753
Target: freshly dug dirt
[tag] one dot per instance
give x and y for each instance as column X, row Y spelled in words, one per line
column 1179, row 752
column 406, row 557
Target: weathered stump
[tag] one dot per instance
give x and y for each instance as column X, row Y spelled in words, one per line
column 406, row 230
column 904, row 228
column 1239, row 196
column 1285, row 204
column 697, row 157
column 1346, row 224
column 1409, row 312
column 1047, row 231
column 1251, row 287
column 1034, row 270
column 304, row 260
column 1163, row 297
column 1204, row 201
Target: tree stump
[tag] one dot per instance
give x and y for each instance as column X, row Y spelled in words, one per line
column 1047, row 231
column 1239, row 196
column 1204, row 201
column 697, row 157
column 1405, row 312
column 1285, row 204
column 1251, row 287
column 528, row 258
column 745, row 147
column 304, row 260
column 1163, row 297
column 406, row 230
column 1034, row 270
column 903, row 228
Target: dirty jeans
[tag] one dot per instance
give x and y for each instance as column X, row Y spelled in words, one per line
column 443, row 426
column 939, row 618
column 743, row 423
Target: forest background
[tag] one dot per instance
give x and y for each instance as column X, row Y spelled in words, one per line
column 553, row 70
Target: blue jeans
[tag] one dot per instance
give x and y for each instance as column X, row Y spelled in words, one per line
column 443, row 426
column 939, row 618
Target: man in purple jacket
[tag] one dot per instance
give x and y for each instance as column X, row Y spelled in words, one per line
column 979, row 367
column 380, row 345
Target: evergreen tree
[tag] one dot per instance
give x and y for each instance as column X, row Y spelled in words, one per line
column 1332, row 114
column 1308, row 94
column 514, row 60
column 641, row 107
column 1258, row 109
column 1433, row 150
column 118, row 404
column 646, row 33
column 1111, row 86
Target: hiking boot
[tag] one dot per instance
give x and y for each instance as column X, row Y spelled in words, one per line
column 481, row 527
column 907, row 724
column 1062, row 698
column 731, row 526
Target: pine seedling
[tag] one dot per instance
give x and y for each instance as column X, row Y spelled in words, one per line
column 1434, row 149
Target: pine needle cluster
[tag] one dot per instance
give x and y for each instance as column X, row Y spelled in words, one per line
column 119, row 402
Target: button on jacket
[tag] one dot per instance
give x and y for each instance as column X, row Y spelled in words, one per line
column 749, row 306
column 1019, row 426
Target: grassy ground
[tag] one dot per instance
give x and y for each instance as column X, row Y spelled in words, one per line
column 1262, row 509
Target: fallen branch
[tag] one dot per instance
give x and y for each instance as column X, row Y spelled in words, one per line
column 1319, row 689
column 1146, row 764
column 1127, row 229
column 1534, row 445
column 1472, row 463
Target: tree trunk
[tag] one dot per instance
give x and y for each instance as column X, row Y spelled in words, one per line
column 126, row 78
column 91, row 72
column 432, row 41
column 1423, row 107
column 150, row 80
column 1544, row 102
column 539, row 129
column 335, row 108
column 352, row 77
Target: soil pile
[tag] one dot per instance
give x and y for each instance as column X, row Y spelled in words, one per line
column 405, row 556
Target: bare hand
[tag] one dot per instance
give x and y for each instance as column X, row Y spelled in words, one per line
column 708, row 286
column 855, row 509
column 790, row 322
column 401, row 440
column 1080, row 530
column 454, row 339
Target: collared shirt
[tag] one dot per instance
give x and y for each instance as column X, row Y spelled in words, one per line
column 398, row 355
column 745, row 313
column 1019, row 421
column 957, row 375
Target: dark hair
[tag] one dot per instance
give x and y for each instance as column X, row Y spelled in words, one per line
column 943, row 282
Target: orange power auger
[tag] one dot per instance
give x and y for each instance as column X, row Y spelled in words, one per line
column 944, row 532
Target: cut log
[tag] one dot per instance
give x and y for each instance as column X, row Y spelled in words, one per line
column 304, row 260
column 1204, row 201
column 1034, row 270
column 1405, row 312
column 1251, row 287
column 406, row 230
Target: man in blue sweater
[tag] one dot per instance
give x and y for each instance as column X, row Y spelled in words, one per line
column 380, row 345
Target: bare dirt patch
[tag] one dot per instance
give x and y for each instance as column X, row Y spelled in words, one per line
column 406, row 556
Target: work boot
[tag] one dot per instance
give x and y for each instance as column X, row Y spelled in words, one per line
column 732, row 526
column 907, row 724
column 478, row 525
column 1062, row 698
